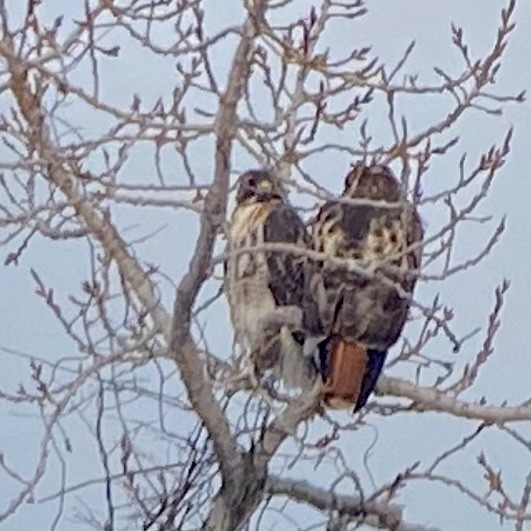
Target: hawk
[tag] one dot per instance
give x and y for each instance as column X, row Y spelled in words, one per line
column 363, row 309
column 260, row 282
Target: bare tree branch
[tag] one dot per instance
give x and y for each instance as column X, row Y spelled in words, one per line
column 104, row 180
column 374, row 514
column 430, row 399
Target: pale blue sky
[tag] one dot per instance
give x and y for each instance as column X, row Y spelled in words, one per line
column 29, row 327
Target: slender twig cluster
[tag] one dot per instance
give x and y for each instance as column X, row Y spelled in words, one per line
column 181, row 440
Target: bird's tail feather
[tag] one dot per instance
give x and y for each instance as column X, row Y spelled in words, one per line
column 343, row 367
column 375, row 363
column 350, row 372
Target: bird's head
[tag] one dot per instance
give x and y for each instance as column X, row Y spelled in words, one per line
column 376, row 182
column 257, row 186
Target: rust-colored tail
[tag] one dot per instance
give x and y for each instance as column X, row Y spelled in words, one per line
column 346, row 366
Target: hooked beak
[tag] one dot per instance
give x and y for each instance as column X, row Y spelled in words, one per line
column 265, row 186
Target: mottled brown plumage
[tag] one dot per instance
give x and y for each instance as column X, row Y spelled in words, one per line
column 258, row 282
column 364, row 314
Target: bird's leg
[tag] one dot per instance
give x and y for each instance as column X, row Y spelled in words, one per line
column 252, row 373
column 243, row 375
column 247, row 373
column 261, row 360
column 318, row 390
column 247, row 369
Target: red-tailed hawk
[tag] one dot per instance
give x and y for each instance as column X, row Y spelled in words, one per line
column 259, row 282
column 364, row 314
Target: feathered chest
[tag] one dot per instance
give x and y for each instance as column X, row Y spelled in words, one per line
column 247, row 273
column 363, row 233
column 247, row 232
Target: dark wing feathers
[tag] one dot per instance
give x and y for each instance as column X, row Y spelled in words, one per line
column 286, row 274
column 355, row 222
column 375, row 363
column 415, row 236
column 371, row 311
column 289, row 272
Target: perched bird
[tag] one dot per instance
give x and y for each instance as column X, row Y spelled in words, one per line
column 363, row 308
column 260, row 282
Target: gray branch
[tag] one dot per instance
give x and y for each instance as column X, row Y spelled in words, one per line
column 430, row 399
column 375, row 514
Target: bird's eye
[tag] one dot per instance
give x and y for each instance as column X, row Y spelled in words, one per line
column 251, row 182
